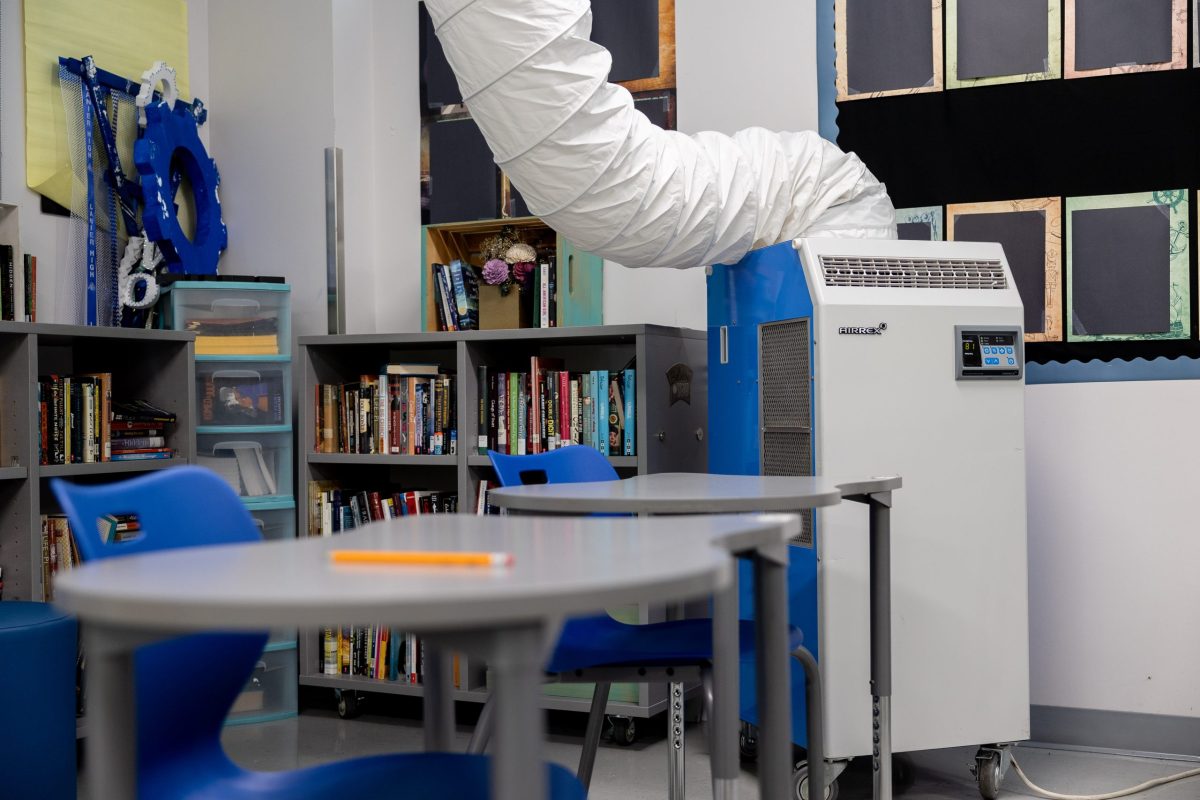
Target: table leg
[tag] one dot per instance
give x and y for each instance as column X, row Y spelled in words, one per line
column 725, row 692
column 518, row 772
column 774, row 685
column 112, row 714
column 676, row 767
column 439, row 698
column 881, row 644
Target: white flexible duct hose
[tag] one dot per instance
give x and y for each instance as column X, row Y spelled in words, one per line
column 597, row 170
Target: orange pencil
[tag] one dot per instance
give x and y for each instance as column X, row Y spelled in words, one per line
column 450, row 558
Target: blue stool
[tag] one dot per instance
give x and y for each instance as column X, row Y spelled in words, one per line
column 37, row 712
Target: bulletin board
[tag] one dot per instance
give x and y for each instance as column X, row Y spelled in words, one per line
column 1066, row 129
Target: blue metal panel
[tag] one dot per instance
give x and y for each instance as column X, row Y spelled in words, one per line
column 768, row 285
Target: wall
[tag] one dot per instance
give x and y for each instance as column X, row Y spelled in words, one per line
column 731, row 60
column 45, row 235
column 271, row 101
column 1113, row 551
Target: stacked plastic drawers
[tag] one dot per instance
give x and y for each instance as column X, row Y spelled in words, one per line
column 244, row 433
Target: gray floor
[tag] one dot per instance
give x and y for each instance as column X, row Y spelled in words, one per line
column 638, row 772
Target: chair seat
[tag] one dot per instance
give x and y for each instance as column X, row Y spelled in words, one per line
column 411, row 776
column 602, row 641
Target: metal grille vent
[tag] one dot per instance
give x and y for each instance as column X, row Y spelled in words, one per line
column 913, row 273
column 785, row 404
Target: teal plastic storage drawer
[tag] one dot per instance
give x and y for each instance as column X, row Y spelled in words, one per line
column 243, row 394
column 231, row 317
column 275, row 520
column 257, row 465
column 270, row 693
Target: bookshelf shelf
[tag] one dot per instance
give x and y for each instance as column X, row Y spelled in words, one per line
column 382, row 460
column 235, row 358
column 107, row 467
column 666, row 438
column 247, row 429
column 13, row 473
column 619, row 462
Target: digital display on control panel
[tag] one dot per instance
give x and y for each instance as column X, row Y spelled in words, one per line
column 989, row 352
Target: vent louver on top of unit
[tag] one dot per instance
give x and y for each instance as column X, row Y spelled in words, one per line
column 913, row 273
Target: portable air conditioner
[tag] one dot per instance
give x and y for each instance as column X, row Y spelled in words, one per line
column 844, row 357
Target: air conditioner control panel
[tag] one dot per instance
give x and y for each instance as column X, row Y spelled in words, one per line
column 988, row 352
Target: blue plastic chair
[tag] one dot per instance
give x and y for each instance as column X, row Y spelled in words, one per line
column 186, row 686
column 601, row 641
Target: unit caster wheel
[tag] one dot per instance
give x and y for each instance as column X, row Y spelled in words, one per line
column 904, row 773
column 989, row 773
column 349, row 704
column 800, row 784
column 625, row 731
column 748, row 743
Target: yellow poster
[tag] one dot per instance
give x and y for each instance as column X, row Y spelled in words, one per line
column 125, row 36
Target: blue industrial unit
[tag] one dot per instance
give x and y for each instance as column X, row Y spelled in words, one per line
column 768, row 285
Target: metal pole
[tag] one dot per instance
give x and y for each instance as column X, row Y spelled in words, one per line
column 725, row 690
column 881, row 644
column 439, row 699
column 335, row 241
column 112, row 739
column 773, row 674
column 815, row 726
column 591, row 738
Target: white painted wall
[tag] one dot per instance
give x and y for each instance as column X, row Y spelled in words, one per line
column 45, row 235
column 272, row 105
column 741, row 64
column 1114, row 600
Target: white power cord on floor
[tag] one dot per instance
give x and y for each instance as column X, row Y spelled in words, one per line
column 1141, row 787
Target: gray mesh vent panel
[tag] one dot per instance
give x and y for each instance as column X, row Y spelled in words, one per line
column 785, row 404
column 913, row 273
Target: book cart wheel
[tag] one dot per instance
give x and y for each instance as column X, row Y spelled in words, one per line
column 349, row 704
column 624, row 730
column 748, row 743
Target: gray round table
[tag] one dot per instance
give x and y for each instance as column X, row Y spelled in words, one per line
column 562, row 566
column 703, row 493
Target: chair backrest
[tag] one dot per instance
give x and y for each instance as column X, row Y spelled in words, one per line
column 185, row 686
column 574, row 464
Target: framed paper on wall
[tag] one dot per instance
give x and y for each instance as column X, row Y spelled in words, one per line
column 1128, row 272
column 923, row 224
column 1108, row 37
column 888, row 47
column 1030, row 231
column 990, row 42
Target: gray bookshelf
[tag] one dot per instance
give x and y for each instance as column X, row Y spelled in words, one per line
column 151, row 365
column 669, row 437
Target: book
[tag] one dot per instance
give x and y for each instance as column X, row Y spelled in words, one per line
column 616, row 414
column 242, row 397
column 30, row 288
column 543, row 290
column 481, row 444
column 459, row 282
column 7, row 282
column 140, row 411
column 630, row 412
column 142, row 456
column 238, row 326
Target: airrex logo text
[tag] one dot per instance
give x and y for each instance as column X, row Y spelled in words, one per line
column 876, row 331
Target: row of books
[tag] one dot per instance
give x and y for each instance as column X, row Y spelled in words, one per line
column 333, row 509
column 376, row 651
column 59, row 553
column 18, row 289
column 456, row 296
column 407, row 409
column 241, row 397
column 80, row 423
column 548, row 407
column 241, row 336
